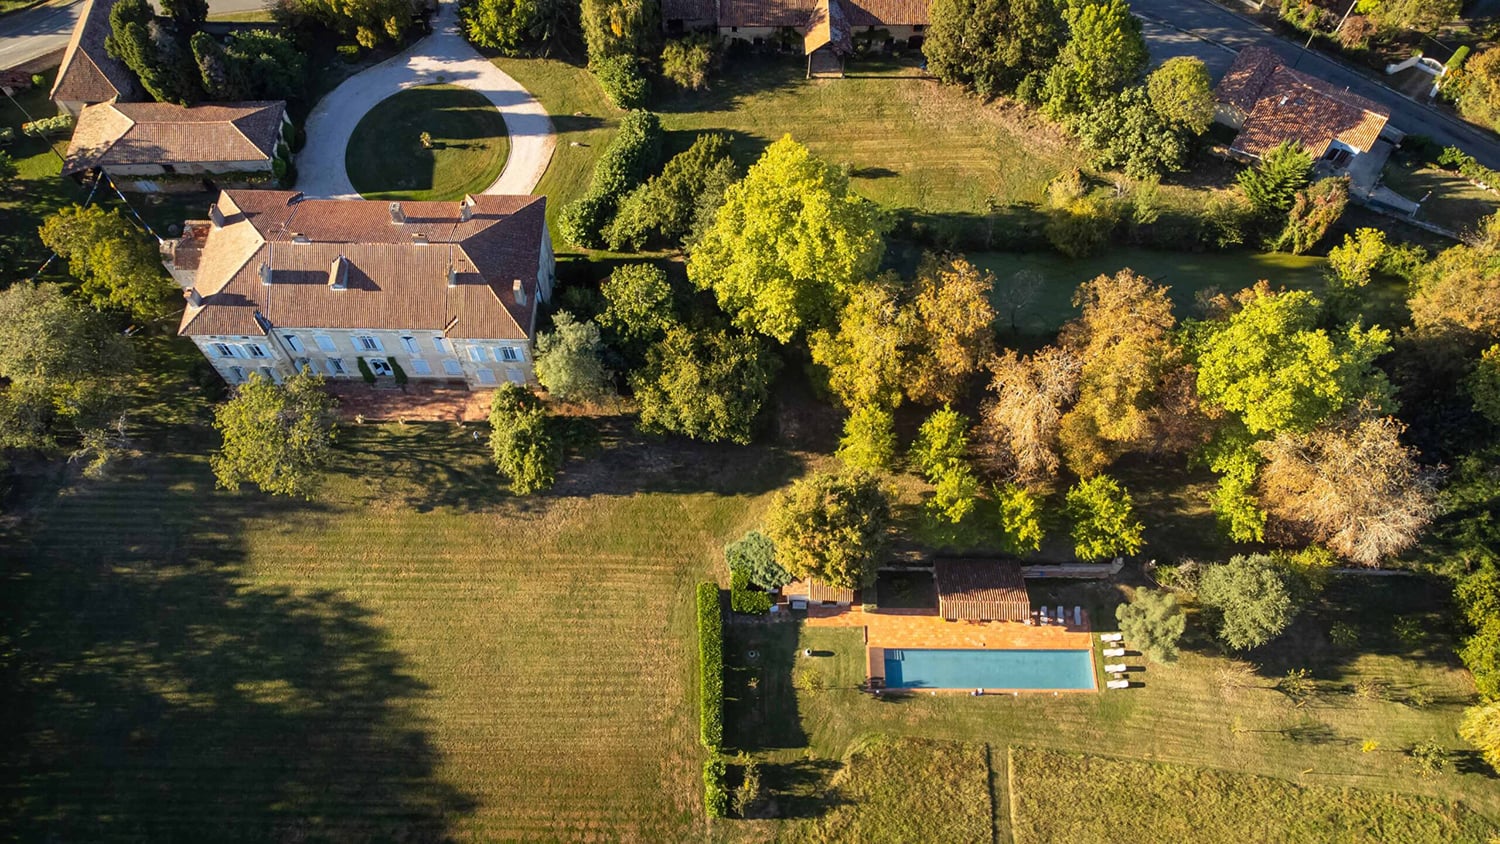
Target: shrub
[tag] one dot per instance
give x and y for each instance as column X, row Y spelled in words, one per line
column 1456, row 61
column 711, row 670
column 40, row 81
column 624, row 164
column 869, row 440
column 956, row 493
column 349, row 52
column 398, row 371
column 687, row 61
column 47, row 126
column 1153, row 621
column 1250, row 598
column 1428, row 757
column 622, row 81
column 521, row 441
column 715, row 795
column 755, row 555
column 7, row 134
column 365, row 373
column 749, row 790
column 743, row 599
column 942, row 440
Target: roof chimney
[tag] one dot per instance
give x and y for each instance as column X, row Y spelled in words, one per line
column 265, row 273
column 194, row 300
column 452, row 275
column 338, row 274
column 397, row 215
column 519, row 291
column 299, row 237
column 465, row 210
column 419, row 239
column 216, row 216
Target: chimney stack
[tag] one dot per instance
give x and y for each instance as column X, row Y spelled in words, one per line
column 465, row 210
column 452, row 275
column 216, row 216
column 265, row 273
column 419, row 239
column 397, row 215
column 519, row 292
column 338, row 274
column 194, row 300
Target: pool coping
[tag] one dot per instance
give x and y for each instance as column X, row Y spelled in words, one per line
column 875, row 671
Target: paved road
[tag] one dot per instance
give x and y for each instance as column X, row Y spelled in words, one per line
column 320, row 164
column 35, row 32
column 1197, row 27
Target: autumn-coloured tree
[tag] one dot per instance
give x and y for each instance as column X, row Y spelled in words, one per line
column 831, row 526
column 1458, row 290
column 1020, row 424
column 1352, row 486
column 863, row 353
column 952, row 332
column 1314, row 211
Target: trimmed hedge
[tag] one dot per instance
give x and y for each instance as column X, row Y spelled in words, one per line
column 365, row 373
column 47, row 125
column 715, row 795
column 742, row 598
column 1453, row 158
column 710, row 666
column 625, row 163
column 622, row 81
column 398, row 371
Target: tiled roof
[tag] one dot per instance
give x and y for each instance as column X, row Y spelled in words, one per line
column 397, row 274
column 793, row 13
column 886, row 12
column 981, row 590
column 828, row 26
column 817, row 591
column 87, row 73
column 162, row 133
column 689, row 10
column 1284, row 104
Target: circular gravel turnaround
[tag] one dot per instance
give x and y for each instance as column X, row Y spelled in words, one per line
column 386, row 158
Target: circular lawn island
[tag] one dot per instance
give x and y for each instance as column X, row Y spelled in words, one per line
column 432, row 142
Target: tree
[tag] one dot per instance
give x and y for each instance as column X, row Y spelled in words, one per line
column 1020, row 520
column 569, row 360
column 1153, row 621
column 662, row 209
column 186, row 13
column 1479, row 88
column 619, row 28
column 638, row 302
column 755, row 554
column 1249, row 598
column 707, row 384
column 1351, row 486
column 1355, row 260
column 1272, row 185
column 1104, row 52
column 1483, row 385
column 686, row 61
column 117, row 265
column 863, row 354
column 269, row 62
column 221, row 78
column 952, row 328
column 1082, row 228
column 1481, row 655
column 955, row 493
column 1313, row 213
column 831, row 526
column 276, row 436
column 1459, row 290
column 8, row 169
column 1416, row 15
column 149, row 47
column 1481, row 728
column 369, row 22
column 941, row 441
column 1271, row 365
column 1127, row 132
column 521, row 440
column 989, row 46
column 516, row 27
column 869, row 440
column 788, row 245
column 1103, row 517
column 621, row 79
column 1181, row 92
column 1020, row 425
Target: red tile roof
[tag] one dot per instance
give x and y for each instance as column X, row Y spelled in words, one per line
column 88, row 74
column 981, row 590
column 162, row 133
column 1282, row 104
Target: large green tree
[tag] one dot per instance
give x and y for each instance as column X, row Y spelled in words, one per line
column 662, row 209
column 117, row 263
column 620, row 28
column 789, row 244
column 1104, row 52
column 638, row 304
column 150, row 48
column 1127, row 132
column 1273, row 183
column 570, row 360
column 704, row 383
column 1153, row 621
column 869, row 440
column 989, row 46
column 1103, row 518
column 521, row 440
column 831, row 526
column 516, row 27
column 276, row 436
column 1250, row 599
column 863, row 354
column 1182, row 93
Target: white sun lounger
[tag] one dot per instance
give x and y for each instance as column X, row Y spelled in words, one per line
column 1060, row 618
column 1045, row 620
column 1077, row 616
column 1111, row 637
column 1114, row 651
column 1115, row 668
column 1118, row 684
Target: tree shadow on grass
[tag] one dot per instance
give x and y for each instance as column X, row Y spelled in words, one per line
column 152, row 693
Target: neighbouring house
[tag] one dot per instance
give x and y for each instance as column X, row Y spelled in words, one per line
column 88, row 74
column 1269, row 103
column 812, row 591
column 981, row 590
column 441, row 291
column 827, row 29
column 137, row 143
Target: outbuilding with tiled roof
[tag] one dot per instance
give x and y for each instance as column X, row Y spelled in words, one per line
column 981, row 590
column 152, row 139
column 88, row 73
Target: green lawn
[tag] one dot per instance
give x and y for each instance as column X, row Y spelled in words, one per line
column 1201, row 711
column 386, row 158
column 38, row 191
column 1451, row 201
column 1093, row 799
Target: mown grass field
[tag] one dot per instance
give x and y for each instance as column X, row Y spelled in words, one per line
column 386, row 159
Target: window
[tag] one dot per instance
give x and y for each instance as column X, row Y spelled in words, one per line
column 266, row 373
column 237, row 374
column 477, row 354
column 453, row 367
column 256, row 350
column 380, row 366
column 222, row 350
column 294, row 343
column 366, row 343
column 440, row 345
column 325, row 343
column 335, row 366
column 410, row 344
column 486, row 376
column 420, row 367
column 515, row 376
column 507, row 353
column 302, row 364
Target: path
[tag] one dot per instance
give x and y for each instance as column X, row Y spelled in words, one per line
column 1212, row 33
column 445, row 53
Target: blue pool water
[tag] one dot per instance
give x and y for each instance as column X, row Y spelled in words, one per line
column 977, row 669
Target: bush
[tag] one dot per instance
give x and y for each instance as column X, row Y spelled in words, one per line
column 624, row 165
column 711, row 672
column 1250, row 598
column 1152, row 621
column 1457, row 60
column 755, row 555
column 622, row 81
column 521, row 441
column 349, row 52
column 365, row 373
column 715, row 795
column 398, row 372
column 1455, row 159
column 47, row 126
column 869, row 440
column 687, row 61
column 7, row 134
column 743, row 599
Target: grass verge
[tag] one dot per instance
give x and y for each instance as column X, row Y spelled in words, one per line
column 387, row 159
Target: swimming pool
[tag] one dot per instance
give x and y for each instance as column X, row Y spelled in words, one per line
column 985, row 669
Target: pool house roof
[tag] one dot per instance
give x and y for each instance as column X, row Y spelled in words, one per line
column 981, row 590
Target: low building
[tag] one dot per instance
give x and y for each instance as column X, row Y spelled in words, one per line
column 142, row 142
column 88, row 74
column 827, row 29
column 440, row 291
column 1270, row 103
column 981, row 590
column 814, row 591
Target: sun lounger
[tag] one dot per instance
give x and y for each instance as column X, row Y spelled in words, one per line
column 1112, row 637
column 1044, row 616
column 1116, row 668
column 1060, row 618
column 1077, row 616
column 1118, row 684
column 1114, row 651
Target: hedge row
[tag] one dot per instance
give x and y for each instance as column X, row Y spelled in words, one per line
column 628, row 159
column 710, row 666
column 742, row 598
column 47, row 125
column 622, row 81
column 715, row 795
column 1453, row 158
